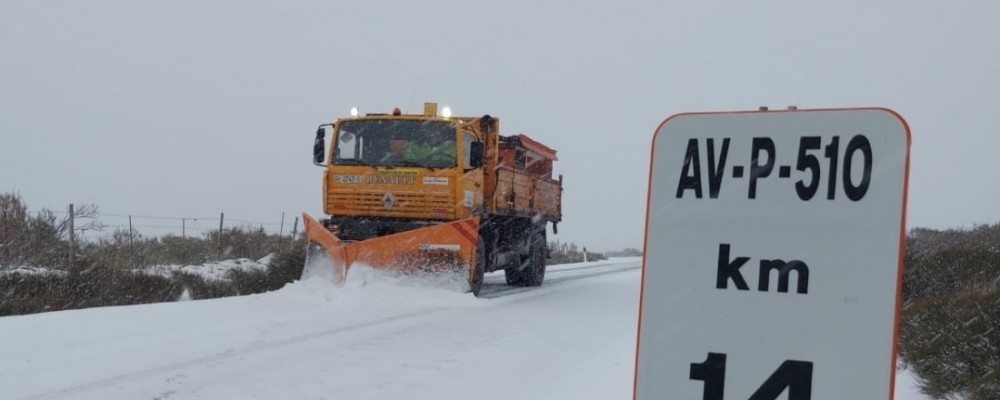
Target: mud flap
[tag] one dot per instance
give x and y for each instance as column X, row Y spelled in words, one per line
column 440, row 247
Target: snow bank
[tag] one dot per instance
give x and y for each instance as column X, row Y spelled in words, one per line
column 211, row 271
column 29, row 270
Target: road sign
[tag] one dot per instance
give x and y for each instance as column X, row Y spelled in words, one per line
column 773, row 256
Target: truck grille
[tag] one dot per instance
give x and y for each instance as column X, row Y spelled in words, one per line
column 406, row 204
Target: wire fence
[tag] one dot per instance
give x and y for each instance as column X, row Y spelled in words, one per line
column 192, row 226
column 59, row 237
column 93, row 226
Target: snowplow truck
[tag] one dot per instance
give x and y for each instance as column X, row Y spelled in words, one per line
column 433, row 192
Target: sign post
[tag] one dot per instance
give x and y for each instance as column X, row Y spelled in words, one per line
column 773, row 256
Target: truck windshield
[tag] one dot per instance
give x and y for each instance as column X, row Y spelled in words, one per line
column 396, row 143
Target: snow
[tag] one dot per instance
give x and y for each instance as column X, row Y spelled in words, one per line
column 906, row 386
column 211, row 270
column 378, row 336
column 29, row 270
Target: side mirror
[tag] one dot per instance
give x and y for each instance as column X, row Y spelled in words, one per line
column 486, row 124
column 476, row 154
column 319, row 145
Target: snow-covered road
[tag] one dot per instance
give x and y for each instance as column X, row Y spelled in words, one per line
column 378, row 337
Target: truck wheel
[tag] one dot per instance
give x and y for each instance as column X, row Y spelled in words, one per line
column 513, row 276
column 535, row 273
column 478, row 272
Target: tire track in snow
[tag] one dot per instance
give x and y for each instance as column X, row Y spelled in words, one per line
column 501, row 289
column 228, row 354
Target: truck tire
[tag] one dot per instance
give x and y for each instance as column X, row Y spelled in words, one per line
column 514, row 276
column 534, row 274
column 478, row 266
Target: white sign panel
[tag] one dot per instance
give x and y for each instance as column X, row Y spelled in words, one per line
column 773, row 256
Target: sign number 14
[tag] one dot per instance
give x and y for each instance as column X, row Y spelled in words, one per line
column 791, row 374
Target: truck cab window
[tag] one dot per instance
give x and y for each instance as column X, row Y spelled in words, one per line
column 347, row 148
column 379, row 142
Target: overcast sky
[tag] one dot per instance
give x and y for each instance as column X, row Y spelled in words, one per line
column 192, row 108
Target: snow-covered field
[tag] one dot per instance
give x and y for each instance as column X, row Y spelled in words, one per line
column 378, row 337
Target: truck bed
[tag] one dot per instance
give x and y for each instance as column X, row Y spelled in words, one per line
column 523, row 193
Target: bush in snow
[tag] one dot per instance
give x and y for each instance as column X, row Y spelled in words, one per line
column 97, row 287
column 25, row 293
column 564, row 253
column 40, row 239
column 950, row 328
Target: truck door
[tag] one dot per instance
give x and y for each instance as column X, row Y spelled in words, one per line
column 471, row 183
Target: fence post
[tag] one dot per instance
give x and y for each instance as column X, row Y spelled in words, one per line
column 263, row 239
column 281, row 232
column 3, row 236
column 131, row 244
column 295, row 232
column 281, row 229
column 72, row 239
column 218, row 239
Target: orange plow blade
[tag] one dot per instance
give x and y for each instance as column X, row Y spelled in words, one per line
column 325, row 255
column 447, row 246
